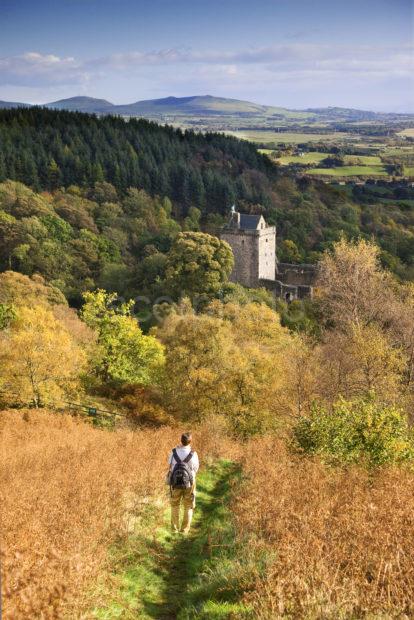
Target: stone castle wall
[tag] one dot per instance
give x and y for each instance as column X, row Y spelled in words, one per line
column 287, row 292
column 245, row 250
column 267, row 253
column 298, row 275
column 254, row 255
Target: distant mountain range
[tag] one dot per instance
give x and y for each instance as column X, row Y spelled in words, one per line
column 197, row 105
column 170, row 108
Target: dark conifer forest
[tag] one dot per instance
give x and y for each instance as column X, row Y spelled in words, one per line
column 48, row 149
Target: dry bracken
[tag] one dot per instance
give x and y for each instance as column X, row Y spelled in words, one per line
column 65, row 490
column 338, row 542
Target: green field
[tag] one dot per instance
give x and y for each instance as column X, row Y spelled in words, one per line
column 355, row 165
column 307, row 158
column 398, row 150
column 351, row 171
column 266, row 137
column 316, row 157
column 367, row 165
column 366, row 160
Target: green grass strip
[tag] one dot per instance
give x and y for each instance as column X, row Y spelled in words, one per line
column 171, row 577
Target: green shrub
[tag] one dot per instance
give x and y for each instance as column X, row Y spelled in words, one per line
column 7, row 314
column 362, row 431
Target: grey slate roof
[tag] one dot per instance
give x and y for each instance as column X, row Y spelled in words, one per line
column 249, row 221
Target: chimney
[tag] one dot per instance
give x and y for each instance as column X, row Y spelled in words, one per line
column 235, row 218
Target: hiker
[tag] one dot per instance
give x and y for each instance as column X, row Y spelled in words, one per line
column 183, row 466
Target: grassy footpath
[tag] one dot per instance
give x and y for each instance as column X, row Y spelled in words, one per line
column 163, row 577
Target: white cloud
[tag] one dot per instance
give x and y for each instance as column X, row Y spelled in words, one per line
column 37, row 69
column 259, row 70
column 294, row 57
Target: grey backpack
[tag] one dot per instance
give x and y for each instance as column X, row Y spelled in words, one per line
column 181, row 475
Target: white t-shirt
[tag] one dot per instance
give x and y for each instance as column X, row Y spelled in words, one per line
column 182, row 452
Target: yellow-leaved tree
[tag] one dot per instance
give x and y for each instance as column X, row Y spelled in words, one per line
column 236, row 361
column 352, row 286
column 368, row 346
column 362, row 361
column 40, row 361
column 199, row 357
column 273, row 376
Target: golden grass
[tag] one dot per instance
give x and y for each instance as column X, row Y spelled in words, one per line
column 407, row 132
column 64, row 491
column 338, row 542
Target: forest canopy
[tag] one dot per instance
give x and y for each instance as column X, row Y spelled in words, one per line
column 89, row 166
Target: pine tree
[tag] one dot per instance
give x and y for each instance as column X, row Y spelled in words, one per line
column 53, row 175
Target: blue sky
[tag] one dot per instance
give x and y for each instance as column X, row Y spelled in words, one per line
column 293, row 53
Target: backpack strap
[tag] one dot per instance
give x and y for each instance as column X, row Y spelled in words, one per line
column 188, row 457
column 177, row 458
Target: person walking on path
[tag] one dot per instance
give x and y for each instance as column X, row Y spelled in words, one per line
column 183, row 466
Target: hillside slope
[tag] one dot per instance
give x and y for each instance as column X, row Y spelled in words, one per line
column 47, row 149
column 82, row 104
column 9, row 105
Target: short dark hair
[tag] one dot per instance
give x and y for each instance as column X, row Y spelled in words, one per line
column 186, row 438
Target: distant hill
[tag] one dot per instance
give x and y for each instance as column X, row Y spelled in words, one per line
column 205, row 105
column 353, row 115
column 8, row 105
column 82, row 104
column 212, row 110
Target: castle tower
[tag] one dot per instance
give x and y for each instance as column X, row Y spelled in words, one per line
column 254, row 248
